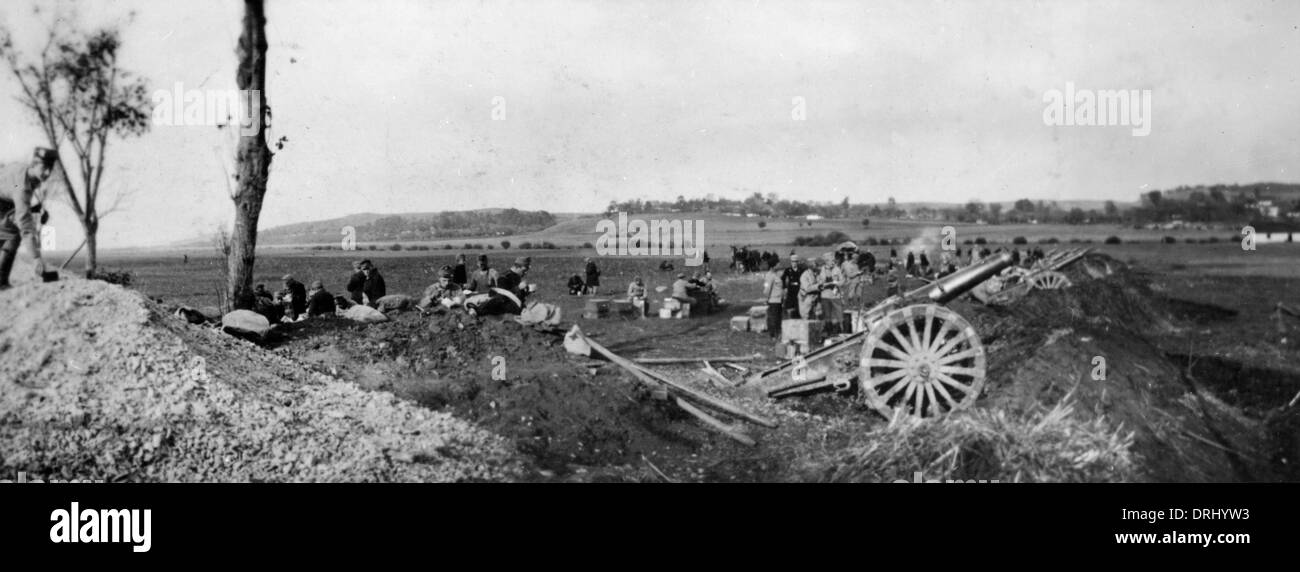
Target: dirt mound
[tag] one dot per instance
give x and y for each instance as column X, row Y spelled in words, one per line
column 1049, row 346
column 97, row 382
column 507, row 378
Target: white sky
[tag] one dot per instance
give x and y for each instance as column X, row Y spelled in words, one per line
column 388, row 107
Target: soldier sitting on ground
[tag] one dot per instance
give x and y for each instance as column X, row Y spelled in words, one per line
column 509, row 295
column 636, row 294
column 357, row 282
column 374, row 287
column 294, row 297
column 576, row 285
column 320, row 302
column 441, row 295
column 483, row 278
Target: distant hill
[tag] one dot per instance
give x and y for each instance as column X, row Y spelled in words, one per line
column 1253, row 191
column 407, row 227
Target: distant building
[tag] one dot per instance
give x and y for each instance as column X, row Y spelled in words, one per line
column 813, row 217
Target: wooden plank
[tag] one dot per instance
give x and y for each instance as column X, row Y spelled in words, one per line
column 646, row 375
column 703, row 399
column 672, row 360
column 715, row 423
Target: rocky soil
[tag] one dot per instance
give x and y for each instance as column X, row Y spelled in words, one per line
column 97, row 382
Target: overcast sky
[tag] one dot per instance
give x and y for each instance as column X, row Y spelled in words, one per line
column 388, row 105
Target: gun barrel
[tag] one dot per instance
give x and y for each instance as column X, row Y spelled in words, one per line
column 962, row 281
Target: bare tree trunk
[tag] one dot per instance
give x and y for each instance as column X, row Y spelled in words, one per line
column 92, row 252
column 253, row 159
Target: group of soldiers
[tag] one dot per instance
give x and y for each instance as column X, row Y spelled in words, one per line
column 480, row 292
column 821, row 288
column 817, row 288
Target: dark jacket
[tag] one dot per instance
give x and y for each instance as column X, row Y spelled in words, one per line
column 374, row 287
column 320, row 303
column 356, row 286
column 593, row 274
column 298, row 292
column 510, row 282
column 459, row 275
column 790, row 278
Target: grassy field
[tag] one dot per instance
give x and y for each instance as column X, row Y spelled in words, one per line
column 1227, row 293
column 721, row 232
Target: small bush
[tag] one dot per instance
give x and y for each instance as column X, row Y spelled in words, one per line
column 1190, row 240
column 446, row 247
column 587, row 245
column 762, row 224
column 1113, row 240
column 525, row 246
column 548, row 245
column 395, row 247
column 1049, row 240
column 490, row 247
column 1213, row 240
column 373, row 247
column 968, row 242
column 505, row 245
column 1169, row 240
column 1019, row 240
column 981, row 241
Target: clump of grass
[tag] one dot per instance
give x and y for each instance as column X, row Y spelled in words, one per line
column 1045, row 445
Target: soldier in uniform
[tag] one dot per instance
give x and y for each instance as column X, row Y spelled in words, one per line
column 810, row 290
column 790, row 279
column 19, row 186
column 483, row 278
column 444, row 293
column 374, row 287
column 357, row 282
column 510, row 293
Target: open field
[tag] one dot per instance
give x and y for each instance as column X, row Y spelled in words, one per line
column 721, row 231
column 1202, row 316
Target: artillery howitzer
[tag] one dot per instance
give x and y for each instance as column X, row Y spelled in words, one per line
column 912, row 353
column 1045, row 275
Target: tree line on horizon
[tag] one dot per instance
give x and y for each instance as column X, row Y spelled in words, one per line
column 1219, row 203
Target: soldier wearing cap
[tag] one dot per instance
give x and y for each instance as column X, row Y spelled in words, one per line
column 592, row 281
column 832, row 279
column 790, row 280
column 682, row 289
column 295, row 297
column 319, row 302
column 374, row 287
column 810, row 290
column 357, row 281
column 483, row 278
column 445, row 292
column 21, row 207
column 509, row 294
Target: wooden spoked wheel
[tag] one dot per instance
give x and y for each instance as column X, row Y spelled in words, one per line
column 924, row 360
column 1050, row 280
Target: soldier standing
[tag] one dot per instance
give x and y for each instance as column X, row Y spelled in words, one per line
column 18, row 215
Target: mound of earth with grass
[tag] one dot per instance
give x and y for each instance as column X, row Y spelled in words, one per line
column 97, row 382
column 510, row 379
column 1097, row 346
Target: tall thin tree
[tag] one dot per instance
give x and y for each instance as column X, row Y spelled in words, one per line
column 252, row 158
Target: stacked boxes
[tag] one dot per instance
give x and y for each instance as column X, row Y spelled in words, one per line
column 740, row 323
column 801, row 336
